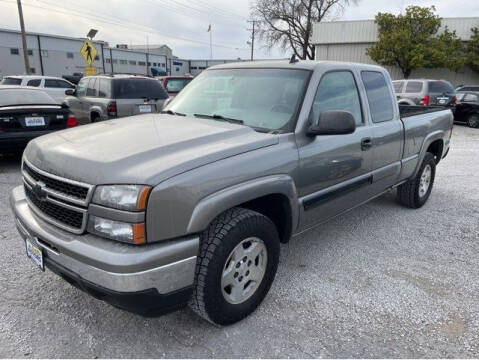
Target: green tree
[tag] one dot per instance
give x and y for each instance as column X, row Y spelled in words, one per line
column 410, row 41
column 473, row 49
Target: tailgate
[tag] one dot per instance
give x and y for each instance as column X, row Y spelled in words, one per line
column 33, row 118
column 129, row 107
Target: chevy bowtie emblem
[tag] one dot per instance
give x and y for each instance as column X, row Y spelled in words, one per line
column 39, row 190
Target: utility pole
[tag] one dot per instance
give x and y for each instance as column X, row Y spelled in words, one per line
column 24, row 37
column 252, row 38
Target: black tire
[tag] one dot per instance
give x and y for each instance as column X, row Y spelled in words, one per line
column 217, row 243
column 473, row 121
column 408, row 194
column 95, row 118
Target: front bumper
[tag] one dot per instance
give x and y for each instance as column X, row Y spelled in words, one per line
column 152, row 278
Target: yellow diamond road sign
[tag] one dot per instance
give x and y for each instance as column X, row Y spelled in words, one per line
column 88, row 51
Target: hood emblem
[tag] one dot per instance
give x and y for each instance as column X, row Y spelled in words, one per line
column 39, row 190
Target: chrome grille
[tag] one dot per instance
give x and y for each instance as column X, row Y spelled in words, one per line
column 67, row 188
column 61, row 202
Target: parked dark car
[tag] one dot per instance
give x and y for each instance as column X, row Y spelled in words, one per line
column 467, row 109
column 26, row 113
column 174, row 84
column 468, row 88
column 424, row 92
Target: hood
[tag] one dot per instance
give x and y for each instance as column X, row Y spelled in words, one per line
column 144, row 149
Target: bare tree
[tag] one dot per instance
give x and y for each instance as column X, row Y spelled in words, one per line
column 289, row 23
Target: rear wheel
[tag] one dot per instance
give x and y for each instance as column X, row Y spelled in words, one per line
column 473, row 121
column 238, row 258
column 416, row 191
column 95, row 118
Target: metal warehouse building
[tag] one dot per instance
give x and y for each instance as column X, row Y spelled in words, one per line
column 348, row 41
column 55, row 55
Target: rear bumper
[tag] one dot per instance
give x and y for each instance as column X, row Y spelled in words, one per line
column 147, row 279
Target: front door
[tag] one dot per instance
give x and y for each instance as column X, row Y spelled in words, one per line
column 335, row 169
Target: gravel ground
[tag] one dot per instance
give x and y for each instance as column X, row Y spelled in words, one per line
column 379, row 281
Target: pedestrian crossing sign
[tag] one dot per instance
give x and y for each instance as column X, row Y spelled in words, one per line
column 88, row 51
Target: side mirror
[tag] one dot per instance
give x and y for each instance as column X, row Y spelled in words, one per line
column 333, row 122
column 70, row 92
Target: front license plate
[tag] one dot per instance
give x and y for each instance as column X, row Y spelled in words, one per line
column 145, row 108
column 34, row 253
column 35, row 121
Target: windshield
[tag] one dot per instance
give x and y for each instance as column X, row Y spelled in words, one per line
column 261, row 98
column 138, row 89
column 176, row 85
column 11, row 81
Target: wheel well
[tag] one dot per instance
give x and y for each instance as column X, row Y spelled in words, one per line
column 278, row 209
column 436, row 148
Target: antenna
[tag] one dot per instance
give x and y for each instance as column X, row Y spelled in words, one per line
column 293, row 59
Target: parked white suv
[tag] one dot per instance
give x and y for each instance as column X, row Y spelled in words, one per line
column 53, row 86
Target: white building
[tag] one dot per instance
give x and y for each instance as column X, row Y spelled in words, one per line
column 348, row 41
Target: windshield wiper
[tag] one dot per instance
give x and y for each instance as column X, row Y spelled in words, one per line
column 220, row 117
column 171, row 112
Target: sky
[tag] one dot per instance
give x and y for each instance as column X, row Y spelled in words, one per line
column 183, row 24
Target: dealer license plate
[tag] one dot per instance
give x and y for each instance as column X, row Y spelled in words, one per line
column 35, row 121
column 34, row 252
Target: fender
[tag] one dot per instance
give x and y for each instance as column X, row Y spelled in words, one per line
column 405, row 101
column 428, row 140
column 213, row 205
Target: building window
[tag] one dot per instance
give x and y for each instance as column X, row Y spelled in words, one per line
column 69, row 55
column 30, row 52
column 97, row 57
column 107, row 60
column 32, row 70
column 44, row 53
column 162, row 65
column 132, row 62
column 123, row 62
column 141, row 63
column 115, row 61
column 149, row 63
column 154, row 64
column 14, row 51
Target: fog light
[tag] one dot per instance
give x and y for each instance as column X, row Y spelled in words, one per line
column 117, row 230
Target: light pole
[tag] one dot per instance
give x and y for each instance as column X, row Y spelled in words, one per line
column 24, row 38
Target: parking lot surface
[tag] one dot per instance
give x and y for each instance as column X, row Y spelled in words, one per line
column 379, row 281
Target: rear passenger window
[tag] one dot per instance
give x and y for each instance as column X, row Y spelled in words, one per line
column 104, row 88
column 337, row 91
column 379, row 97
column 91, row 89
column 35, row 83
column 50, row 83
column 398, row 85
column 413, row 87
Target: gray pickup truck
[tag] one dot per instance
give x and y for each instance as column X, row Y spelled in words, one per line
column 190, row 206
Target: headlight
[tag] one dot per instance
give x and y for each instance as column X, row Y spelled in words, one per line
column 122, row 197
column 117, row 230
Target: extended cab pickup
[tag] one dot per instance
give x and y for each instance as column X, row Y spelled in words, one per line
column 190, row 206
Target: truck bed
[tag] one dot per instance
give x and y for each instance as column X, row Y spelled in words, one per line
column 412, row 110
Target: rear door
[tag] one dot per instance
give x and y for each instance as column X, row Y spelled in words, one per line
column 76, row 102
column 441, row 93
column 387, row 130
column 334, row 169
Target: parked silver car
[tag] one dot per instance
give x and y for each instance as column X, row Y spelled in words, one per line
column 424, row 92
column 105, row 97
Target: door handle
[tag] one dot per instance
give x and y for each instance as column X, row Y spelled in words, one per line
column 366, row 144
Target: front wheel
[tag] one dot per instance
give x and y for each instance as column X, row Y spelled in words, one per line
column 416, row 191
column 236, row 266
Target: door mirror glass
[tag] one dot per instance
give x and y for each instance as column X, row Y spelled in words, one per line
column 333, row 122
column 70, row 92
